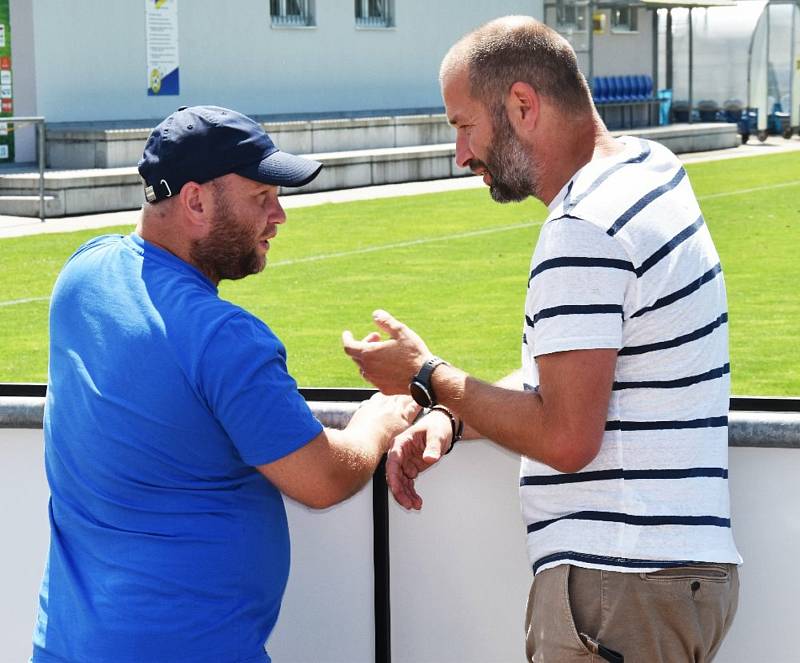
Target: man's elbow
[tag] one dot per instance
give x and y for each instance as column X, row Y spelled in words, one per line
column 320, row 502
column 575, row 453
column 320, row 499
column 333, row 489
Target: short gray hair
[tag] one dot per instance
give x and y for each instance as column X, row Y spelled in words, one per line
column 519, row 48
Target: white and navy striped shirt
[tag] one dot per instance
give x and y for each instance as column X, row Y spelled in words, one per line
column 626, row 261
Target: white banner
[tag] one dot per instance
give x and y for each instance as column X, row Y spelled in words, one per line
column 161, row 21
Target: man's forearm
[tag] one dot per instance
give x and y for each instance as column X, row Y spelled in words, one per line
column 354, row 455
column 561, row 424
column 511, row 418
column 512, row 381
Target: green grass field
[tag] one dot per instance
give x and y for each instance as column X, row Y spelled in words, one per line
column 454, row 266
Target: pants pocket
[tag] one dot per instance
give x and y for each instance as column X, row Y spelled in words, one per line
column 708, row 572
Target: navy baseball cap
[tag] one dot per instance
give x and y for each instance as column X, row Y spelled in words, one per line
column 200, row 143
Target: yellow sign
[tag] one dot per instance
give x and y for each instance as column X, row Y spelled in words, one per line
column 155, row 81
column 599, row 23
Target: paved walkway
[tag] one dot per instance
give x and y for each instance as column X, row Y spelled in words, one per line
column 16, row 226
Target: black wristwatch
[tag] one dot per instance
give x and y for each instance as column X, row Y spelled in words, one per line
column 420, row 387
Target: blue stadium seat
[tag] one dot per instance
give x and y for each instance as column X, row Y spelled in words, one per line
column 600, row 89
column 639, row 87
column 614, row 93
column 627, row 88
column 648, row 87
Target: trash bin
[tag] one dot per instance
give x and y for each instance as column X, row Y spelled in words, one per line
column 708, row 110
column 732, row 110
column 680, row 110
column 748, row 124
column 779, row 122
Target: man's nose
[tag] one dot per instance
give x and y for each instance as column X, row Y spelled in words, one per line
column 276, row 213
column 463, row 154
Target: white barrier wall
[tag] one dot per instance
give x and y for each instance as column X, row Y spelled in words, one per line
column 459, row 574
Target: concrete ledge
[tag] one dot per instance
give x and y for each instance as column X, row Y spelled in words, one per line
column 684, row 138
column 88, row 191
column 92, row 147
column 92, row 190
column 75, row 147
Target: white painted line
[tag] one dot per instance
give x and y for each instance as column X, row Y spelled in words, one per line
column 400, row 245
column 738, row 192
column 370, row 249
column 443, row 238
column 12, row 302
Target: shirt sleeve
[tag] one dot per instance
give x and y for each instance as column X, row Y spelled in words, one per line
column 244, row 378
column 578, row 283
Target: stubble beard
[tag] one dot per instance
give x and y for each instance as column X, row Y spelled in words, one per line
column 228, row 251
column 513, row 170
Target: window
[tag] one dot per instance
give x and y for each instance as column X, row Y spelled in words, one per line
column 623, row 19
column 291, row 13
column 571, row 16
column 374, row 13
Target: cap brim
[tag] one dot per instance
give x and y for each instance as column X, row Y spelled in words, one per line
column 283, row 169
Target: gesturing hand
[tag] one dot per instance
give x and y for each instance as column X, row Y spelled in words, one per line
column 414, row 451
column 389, row 364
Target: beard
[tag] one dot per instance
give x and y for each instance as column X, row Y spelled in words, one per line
column 513, row 171
column 228, row 251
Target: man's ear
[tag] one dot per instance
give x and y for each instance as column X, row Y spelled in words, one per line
column 196, row 206
column 523, row 105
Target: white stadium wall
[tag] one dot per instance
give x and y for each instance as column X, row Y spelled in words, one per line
column 89, row 57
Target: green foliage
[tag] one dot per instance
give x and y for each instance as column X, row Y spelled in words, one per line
column 454, row 266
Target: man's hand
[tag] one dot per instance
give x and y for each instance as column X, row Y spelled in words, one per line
column 414, row 451
column 389, row 364
column 383, row 417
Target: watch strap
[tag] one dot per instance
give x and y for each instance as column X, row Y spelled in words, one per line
column 425, row 373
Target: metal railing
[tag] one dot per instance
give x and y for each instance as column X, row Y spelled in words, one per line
column 752, row 422
column 292, row 20
column 38, row 122
column 373, row 22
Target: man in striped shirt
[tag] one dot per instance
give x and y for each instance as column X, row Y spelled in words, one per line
column 622, row 421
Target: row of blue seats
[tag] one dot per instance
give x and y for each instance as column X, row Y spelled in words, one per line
column 615, row 89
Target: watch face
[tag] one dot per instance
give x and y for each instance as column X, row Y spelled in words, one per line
column 420, row 394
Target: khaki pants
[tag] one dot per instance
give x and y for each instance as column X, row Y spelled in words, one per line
column 676, row 615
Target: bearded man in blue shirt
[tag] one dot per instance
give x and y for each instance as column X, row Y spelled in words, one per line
column 172, row 426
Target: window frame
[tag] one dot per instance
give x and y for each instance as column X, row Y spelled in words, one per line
column 579, row 9
column 631, row 26
column 365, row 22
column 305, row 19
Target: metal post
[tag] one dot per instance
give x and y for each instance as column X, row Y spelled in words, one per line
column 691, row 65
column 590, row 28
column 381, row 565
column 668, row 37
column 792, row 65
column 40, row 137
column 655, row 66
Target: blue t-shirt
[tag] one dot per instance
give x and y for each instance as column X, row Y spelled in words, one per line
column 166, row 543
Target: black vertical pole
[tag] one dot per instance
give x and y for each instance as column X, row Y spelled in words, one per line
column 380, row 560
column 590, row 28
column 691, row 66
column 668, row 37
column 654, row 21
column 654, row 94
